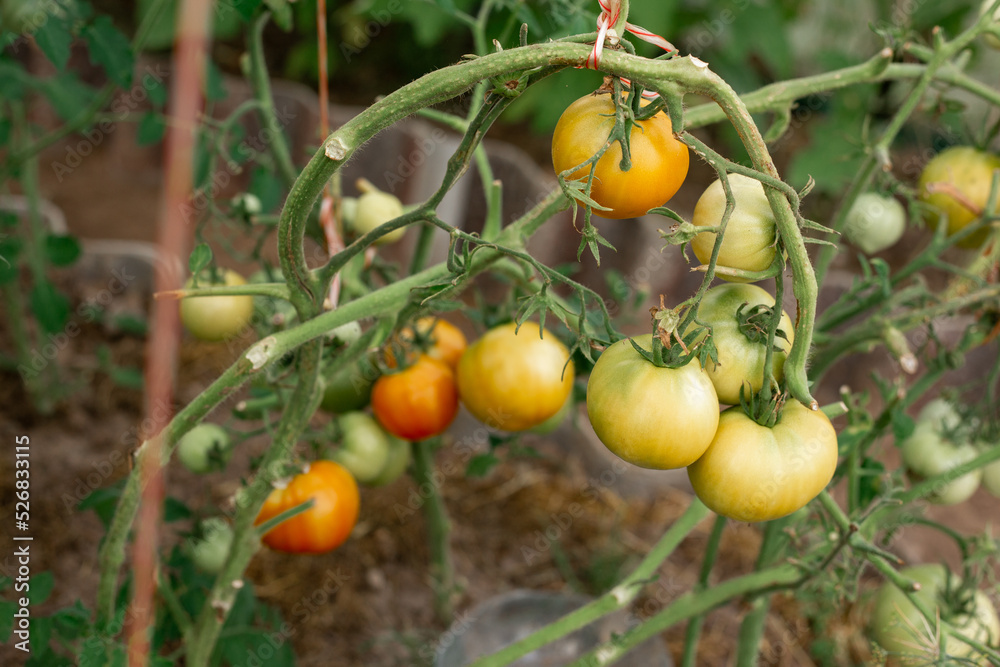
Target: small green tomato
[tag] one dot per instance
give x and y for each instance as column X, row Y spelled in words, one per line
column 376, row 208
column 209, row 553
column 875, row 222
column 204, row 448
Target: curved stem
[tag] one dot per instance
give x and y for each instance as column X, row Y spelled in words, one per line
column 261, row 84
column 693, row 631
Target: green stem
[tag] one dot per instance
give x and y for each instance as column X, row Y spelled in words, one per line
column 690, row 605
column 618, row 597
column 261, row 84
column 303, row 402
column 438, row 529
column 693, row 632
column 752, row 627
column 422, row 249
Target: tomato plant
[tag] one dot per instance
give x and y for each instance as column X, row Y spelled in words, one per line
column 417, row 402
column 956, row 184
column 749, row 243
column 754, row 473
column 513, row 379
column 991, row 478
column 204, row 448
column 738, row 317
column 652, row 417
column 875, row 222
column 659, row 160
column 324, row 526
column 898, row 626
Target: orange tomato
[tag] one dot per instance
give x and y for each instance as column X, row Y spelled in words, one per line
column 418, row 402
column 659, row 160
column 324, row 526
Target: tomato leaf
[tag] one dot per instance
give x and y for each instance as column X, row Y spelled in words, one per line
column 902, row 425
column 54, row 38
column 480, row 465
column 50, row 307
column 200, row 257
column 62, row 250
column 40, row 587
column 151, row 129
column 282, row 13
column 7, row 609
column 10, row 248
column 67, row 94
column 110, row 49
column 214, row 88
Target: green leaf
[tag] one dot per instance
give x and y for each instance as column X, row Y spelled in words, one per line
column 902, row 425
column 9, row 250
column 66, row 93
column 151, row 129
column 870, row 481
column 7, row 609
column 481, row 464
column 103, row 502
column 127, row 377
column 214, row 88
column 267, row 188
column 110, row 49
column 175, row 510
column 40, row 587
column 200, row 257
column 246, row 8
column 157, row 89
column 282, row 13
column 50, row 307
column 14, row 81
column 41, row 633
column 62, row 250
column 54, row 38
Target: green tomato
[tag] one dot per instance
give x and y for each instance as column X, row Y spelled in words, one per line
column 205, row 448
column 941, row 415
column 991, row 478
column 875, row 222
column 364, row 446
column 209, row 553
column 967, row 171
column 350, row 389
column 926, row 453
column 396, row 462
column 376, row 208
column 661, row 418
column 901, row 629
column 750, row 240
column 741, row 360
column 216, row 318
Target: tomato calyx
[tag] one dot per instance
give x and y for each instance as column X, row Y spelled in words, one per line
column 755, row 322
column 671, row 348
column 763, row 409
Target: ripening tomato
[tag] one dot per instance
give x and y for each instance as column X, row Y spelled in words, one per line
column 755, row 473
column 652, row 417
column 750, row 241
column 210, row 547
column 215, row 318
column 659, row 160
column 513, row 379
column 364, row 446
column 350, row 388
column 991, row 476
column 967, row 171
column 418, row 402
column 324, row 526
column 374, row 208
column 900, row 628
column 447, row 341
column 741, row 349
